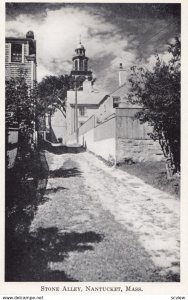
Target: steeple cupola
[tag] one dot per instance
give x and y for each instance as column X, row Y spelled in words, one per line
column 80, row 50
column 80, row 63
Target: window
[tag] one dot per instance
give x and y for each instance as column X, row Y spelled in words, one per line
column 81, row 65
column 16, row 53
column 85, row 65
column 82, row 111
column 76, row 65
column 116, row 101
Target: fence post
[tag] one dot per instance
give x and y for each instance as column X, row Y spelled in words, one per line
column 116, row 137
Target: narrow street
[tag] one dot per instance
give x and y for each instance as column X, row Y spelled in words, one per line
column 102, row 224
column 92, row 144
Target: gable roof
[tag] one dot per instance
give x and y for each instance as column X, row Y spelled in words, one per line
column 121, row 90
column 85, row 98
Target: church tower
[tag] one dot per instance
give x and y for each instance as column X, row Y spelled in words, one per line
column 80, row 63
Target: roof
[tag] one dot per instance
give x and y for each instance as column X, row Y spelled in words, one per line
column 85, row 98
column 120, row 90
column 29, row 37
column 80, row 46
column 18, row 40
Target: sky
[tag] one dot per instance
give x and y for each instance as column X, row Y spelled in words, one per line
column 111, row 34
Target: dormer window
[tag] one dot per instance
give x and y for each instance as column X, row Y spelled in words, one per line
column 16, row 52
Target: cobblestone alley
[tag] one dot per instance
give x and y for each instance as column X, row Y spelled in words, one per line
column 98, row 223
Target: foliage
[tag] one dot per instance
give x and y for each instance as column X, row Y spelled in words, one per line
column 52, row 94
column 19, row 103
column 158, row 92
column 20, row 106
column 20, row 113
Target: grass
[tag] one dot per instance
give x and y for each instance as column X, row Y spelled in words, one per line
column 154, row 173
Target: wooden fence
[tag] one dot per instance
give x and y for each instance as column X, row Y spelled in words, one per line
column 129, row 127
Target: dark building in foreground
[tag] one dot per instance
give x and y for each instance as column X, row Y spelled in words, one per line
column 20, row 56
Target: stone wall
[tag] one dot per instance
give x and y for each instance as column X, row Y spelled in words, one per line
column 137, row 150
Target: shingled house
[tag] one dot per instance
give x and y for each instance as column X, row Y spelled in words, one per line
column 20, row 56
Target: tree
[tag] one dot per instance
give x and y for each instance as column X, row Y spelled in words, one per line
column 19, row 105
column 158, row 92
column 52, row 92
column 20, row 113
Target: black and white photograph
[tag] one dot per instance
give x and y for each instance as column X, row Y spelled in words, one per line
column 92, row 142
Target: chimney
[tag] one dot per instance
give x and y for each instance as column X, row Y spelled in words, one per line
column 87, row 87
column 122, row 75
column 30, row 35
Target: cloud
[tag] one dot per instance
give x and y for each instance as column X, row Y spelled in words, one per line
column 58, row 34
column 107, row 42
column 165, row 56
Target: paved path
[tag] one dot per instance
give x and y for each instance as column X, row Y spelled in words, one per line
column 103, row 224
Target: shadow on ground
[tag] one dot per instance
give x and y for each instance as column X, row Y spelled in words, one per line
column 25, row 188
column 37, row 251
column 61, row 149
column 55, row 190
column 29, row 256
column 61, row 172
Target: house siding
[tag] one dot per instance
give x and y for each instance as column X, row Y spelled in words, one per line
column 12, row 69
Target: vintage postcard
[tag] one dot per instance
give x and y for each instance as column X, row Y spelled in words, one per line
column 94, row 149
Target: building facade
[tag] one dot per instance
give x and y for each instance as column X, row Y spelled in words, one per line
column 87, row 106
column 20, row 57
